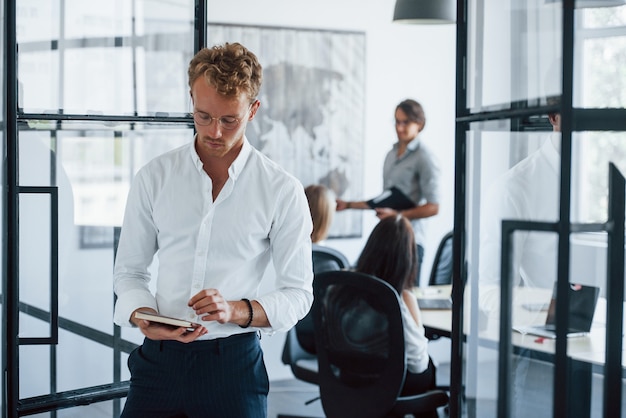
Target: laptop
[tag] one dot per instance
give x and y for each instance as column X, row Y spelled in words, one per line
column 582, row 306
column 435, row 303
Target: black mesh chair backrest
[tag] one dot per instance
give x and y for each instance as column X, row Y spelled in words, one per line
column 328, row 259
column 324, row 259
column 360, row 344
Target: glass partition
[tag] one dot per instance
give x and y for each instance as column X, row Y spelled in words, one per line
column 513, row 64
column 511, row 176
column 514, row 52
column 104, row 57
column 3, row 180
column 601, row 56
column 91, row 166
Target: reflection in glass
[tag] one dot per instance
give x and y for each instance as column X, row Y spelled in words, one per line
column 590, row 174
column 516, row 177
column 513, row 46
column 92, row 165
column 603, row 82
column 604, row 17
column 113, row 57
column 519, row 181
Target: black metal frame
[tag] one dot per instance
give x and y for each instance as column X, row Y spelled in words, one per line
column 523, row 116
column 13, row 118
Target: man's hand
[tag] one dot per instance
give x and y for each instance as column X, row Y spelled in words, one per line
column 212, row 304
column 341, row 205
column 383, row 213
column 156, row 331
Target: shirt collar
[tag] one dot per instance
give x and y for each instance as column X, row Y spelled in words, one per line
column 412, row 146
column 235, row 168
column 194, row 154
column 551, row 153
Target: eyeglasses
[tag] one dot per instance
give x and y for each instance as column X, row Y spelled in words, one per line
column 226, row 122
column 405, row 122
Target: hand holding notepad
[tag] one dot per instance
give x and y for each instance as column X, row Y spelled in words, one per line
column 392, row 198
column 167, row 320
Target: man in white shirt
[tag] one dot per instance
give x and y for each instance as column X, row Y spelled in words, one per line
column 528, row 191
column 216, row 211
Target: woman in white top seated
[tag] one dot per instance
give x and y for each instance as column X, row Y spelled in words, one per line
column 390, row 254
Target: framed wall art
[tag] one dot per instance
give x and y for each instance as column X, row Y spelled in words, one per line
column 311, row 120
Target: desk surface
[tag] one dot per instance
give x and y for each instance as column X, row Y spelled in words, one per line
column 588, row 348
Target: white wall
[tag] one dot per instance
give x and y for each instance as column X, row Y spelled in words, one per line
column 403, row 61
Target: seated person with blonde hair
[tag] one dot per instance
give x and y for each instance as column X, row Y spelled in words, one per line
column 322, row 205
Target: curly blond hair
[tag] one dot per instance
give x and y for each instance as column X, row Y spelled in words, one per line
column 231, row 68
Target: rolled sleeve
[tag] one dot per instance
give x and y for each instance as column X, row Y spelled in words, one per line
column 128, row 302
column 285, row 308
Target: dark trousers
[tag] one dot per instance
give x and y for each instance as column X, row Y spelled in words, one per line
column 221, row 378
column 416, row 383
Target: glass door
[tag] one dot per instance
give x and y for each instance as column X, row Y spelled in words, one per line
column 534, row 220
column 94, row 102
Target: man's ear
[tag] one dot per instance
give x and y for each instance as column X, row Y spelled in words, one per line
column 255, row 107
column 553, row 118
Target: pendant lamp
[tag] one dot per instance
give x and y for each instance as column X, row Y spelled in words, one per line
column 592, row 4
column 425, row 12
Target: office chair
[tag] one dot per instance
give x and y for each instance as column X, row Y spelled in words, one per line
column 328, row 259
column 360, row 349
column 441, row 272
column 299, row 349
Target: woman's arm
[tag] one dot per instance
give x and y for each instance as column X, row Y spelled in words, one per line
column 411, row 302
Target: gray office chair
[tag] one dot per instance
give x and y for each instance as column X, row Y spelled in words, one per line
column 441, row 272
column 360, row 348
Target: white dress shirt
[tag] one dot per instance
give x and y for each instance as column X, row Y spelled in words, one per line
column 261, row 213
column 529, row 191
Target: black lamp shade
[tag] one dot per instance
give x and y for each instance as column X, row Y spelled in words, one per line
column 592, row 4
column 425, row 11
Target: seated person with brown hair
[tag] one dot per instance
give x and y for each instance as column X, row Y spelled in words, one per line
column 390, row 254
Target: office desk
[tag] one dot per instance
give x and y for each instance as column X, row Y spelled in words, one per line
column 587, row 352
column 588, row 348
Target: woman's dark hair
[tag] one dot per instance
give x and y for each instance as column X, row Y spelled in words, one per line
column 390, row 253
column 413, row 110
